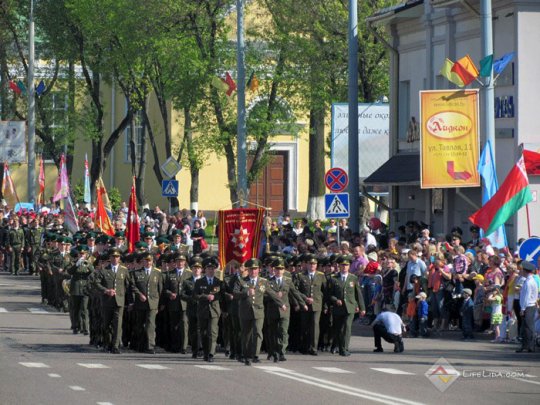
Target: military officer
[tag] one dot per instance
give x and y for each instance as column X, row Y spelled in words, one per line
column 346, row 298
column 113, row 283
column 176, row 306
column 208, row 293
column 34, row 235
column 79, row 272
column 250, row 293
column 147, row 287
column 15, row 245
column 312, row 286
column 277, row 319
column 187, row 295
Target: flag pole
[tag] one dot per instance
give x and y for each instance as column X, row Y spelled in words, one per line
column 528, row 220
column 31, row 175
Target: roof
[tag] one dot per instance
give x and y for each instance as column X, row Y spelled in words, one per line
column 393, row 10
column 402, row 169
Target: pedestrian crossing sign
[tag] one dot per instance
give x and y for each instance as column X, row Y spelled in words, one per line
column 169, row 188
column 336, row 205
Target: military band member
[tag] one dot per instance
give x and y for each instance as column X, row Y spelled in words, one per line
column 34, row 235
column 15, row 245
column 79, row 272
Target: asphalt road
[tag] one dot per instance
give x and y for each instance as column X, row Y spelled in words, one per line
column 41, row 362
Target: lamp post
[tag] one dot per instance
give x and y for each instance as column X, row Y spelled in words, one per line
column 354, row 180
column 31, row 111
column 241, row 149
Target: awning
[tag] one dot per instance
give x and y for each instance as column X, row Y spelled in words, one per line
column 399, row 170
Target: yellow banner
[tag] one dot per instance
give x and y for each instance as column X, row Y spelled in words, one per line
column 449, row 138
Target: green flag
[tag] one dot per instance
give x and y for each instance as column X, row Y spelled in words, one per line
column 485, row 66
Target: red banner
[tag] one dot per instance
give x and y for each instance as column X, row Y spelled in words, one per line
column 239, row 234
column 532, row 162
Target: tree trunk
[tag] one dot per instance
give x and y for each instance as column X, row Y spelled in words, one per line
column 70, row 141
column 315, row 208
column 193, row 165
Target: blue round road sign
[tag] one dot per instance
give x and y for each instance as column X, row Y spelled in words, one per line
column 336, row 180
column 529, row 250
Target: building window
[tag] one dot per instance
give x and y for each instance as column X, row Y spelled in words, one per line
column 404, row 114
column 138, row 136
column 56, row 109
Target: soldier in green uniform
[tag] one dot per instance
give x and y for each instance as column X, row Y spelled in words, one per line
column 277, row 319
column 346, row 298
column 43, row 267
column 147, row 287
column 312, row 286
column 208, row 293
column 176, row 306
column 235, row 272
column 34, row 235
column 80, row 271
column 94, row 302
column 187, row 295
column 113, row 282
column 15, row 245
column 250, row 293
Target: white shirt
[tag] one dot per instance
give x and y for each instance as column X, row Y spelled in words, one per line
column 528, row 294
column 417, row 268
column 391, row 321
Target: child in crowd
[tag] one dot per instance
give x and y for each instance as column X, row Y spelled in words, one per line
column 479, row 297
column 422, row 314
column 377, row 294
column 495, row 299
column 467, row 314
column 411, row 313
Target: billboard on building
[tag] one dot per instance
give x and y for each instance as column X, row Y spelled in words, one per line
column 449, row 138
column 373, row 136
column 13, row 141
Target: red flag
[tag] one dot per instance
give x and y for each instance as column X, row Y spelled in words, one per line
column 465, row 69
column 230, row 82
column 13, row 86
column 239, row 234
column 41, row 182
column 532, row 162
column 102, row 221
column 133, row 228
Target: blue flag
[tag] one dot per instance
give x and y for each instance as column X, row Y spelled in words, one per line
column 500, row 64
column 40, row 88
column 486, row 168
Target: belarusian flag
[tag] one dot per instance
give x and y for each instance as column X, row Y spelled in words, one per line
column 511, row 196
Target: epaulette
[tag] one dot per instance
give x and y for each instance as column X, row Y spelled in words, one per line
column 319, row 272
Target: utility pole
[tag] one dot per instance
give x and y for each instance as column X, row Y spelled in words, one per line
column 354, row 179
column 31, row 111
column 488, row 101
column 241, row 149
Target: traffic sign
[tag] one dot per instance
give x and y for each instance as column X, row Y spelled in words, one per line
column 529, row 250
column 336, row 205
column 169, row 188
column 170, row 167
column 336, row 179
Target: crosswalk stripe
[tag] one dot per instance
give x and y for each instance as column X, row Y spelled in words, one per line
column 215, row 368
column 34, row 365
column 53, row 375
column 153, row 366
column 272, row 368
column 3, row 309
column 38, row 311
column 104, row 403
column 333, row 370
column 76, row 388
column 92, row 365
column 392, row 371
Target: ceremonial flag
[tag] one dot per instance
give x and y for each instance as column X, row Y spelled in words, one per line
column 500, row 64
column 40, row 89
column 239, row 234
column 133, row 227
column 13, row 86
column 446, row 71
column 486, row 65
column 103, row 221
column 87, row 198
column 511, row 196
column 9, row 192
column 70, row 217
column 253, row 82
column 230, row 82
column 104, row 196
column 486, row 168
column 532, row 162
column 21, row 86
column 41, row 182
column 62, row 182
column 465, row 69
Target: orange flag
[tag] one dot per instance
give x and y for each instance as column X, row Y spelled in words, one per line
column 102, row 221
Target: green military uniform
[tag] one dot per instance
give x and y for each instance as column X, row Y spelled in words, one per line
column 250, row 293
column 312, row 286
column 209, row 311
column 147, row 287
column 277, row 319
column 15, row 246
column 33, row 235
column 112, row 283
column 177, row 307
column 80, row 271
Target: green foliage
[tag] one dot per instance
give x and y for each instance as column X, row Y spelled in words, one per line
column 78, row 192
column 115, row 198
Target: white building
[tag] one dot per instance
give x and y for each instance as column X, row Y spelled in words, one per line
column 422, row 34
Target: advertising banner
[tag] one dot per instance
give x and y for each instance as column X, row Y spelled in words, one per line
column 239, row 234
column 449, row 140
column 13, row 141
